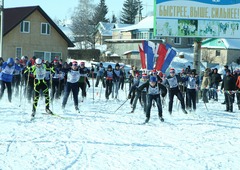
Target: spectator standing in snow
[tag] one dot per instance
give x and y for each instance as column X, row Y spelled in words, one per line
column 225, row 68
column 229, row 86
column 205, row 86
column 215, row 80
column 238, row 89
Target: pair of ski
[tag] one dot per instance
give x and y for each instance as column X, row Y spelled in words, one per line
column 147, row 121
column 54, row 115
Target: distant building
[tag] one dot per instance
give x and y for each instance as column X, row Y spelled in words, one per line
column 128, row 38
column 29, row 31
column 222, row 51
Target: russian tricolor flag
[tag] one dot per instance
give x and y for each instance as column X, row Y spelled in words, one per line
column 165, row 56
column 149, row 50
column 142, row 57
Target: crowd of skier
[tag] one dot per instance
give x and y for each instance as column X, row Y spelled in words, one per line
column 32, row 78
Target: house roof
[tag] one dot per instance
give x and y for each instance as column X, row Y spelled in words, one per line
column 106, row 29
column 146, row 23
column 14, row 16
column 221, row 43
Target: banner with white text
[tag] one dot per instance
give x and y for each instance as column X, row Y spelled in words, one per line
column 197, row 18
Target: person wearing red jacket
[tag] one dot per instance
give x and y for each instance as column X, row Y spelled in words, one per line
column 238, row 89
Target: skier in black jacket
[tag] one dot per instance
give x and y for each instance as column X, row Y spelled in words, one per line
column 153, row 93
column 172, row 82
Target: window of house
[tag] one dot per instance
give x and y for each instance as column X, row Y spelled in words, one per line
column 190, row 41
column 45, row 28
column 25, row 27
column 39, row 54
column 217, row 52
column 47, row 56
column 177, row 40
column 56, row 54
column 19, row 52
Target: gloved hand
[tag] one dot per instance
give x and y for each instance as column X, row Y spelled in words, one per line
column 129, row 96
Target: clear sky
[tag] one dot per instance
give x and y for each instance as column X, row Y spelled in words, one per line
column 63, row 9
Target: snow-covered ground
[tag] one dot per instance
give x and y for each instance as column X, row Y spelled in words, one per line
column 101, row 138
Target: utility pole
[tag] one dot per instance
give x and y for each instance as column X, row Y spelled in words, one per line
column 1, row 27
column 197, row 54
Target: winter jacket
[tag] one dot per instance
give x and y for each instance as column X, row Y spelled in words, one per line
column 155, row 90
column 100, row 71
column 83, row 74
column 238, row 82
column 216, row 78
column 7, row 70
column 173, row 81
column 206, row 81
column 117, row 74
column 228, row 83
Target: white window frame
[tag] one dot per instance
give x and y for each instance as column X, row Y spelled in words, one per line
column 18, row 48
column 48, row 28
column 177, row 42
column 47, row 56
column 23, row 25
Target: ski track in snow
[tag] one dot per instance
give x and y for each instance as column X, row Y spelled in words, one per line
column 99, row 137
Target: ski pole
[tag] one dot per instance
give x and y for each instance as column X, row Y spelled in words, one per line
column 93, row 83
column 20, row 90
column 100, row 91
column 206, row 106
column 121, row 105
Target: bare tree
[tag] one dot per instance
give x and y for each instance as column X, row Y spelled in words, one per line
column 81, row 23
column 207, row 55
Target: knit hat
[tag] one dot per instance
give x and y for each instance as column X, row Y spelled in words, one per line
column 172, row 70
column 74, row 63
column 144, row 75
column 153, row 79
column 228, row 71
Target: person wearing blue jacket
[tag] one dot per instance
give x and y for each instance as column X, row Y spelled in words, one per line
column 8, row 68
column 1, row 64
column 100, row 75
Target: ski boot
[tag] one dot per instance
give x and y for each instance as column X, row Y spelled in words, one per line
column 77, row 109
column 49, row 111
column 184, row 111
column 147, row 120
column 33, row 114
column 161, row 119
